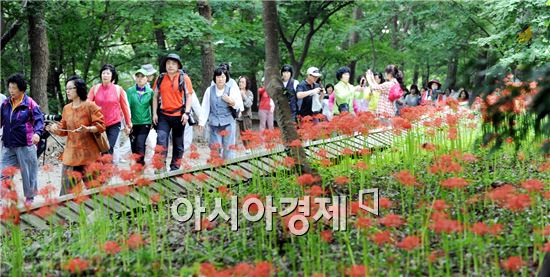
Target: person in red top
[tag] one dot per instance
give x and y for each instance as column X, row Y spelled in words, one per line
column 265, row 111
column 111, row 98
column 171, row 113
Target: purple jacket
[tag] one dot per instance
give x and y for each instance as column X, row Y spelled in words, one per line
column 19, row 126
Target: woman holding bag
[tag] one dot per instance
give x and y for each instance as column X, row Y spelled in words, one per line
column 80, row 119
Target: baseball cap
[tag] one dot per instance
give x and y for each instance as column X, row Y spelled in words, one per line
column 141, row 71
column 314, row 71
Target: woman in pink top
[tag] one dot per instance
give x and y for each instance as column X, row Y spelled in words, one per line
column 394, row 76
column 111, row 98
column 265, row 111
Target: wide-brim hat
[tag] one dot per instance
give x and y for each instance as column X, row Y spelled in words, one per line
column 149, row 69
column 434, row 81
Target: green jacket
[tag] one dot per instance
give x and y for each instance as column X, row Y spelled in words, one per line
column 345, row 93
column 140, row 107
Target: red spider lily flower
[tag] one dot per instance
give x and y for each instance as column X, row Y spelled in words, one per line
column 106, row 159
column 322, row 153
column 109, row 191
column 326, row 235
column 452, row 120
column 7, row 184
column 216, row 161
column 288, row 162
column 243, row 269
column 142, row 182
column 111, row 247
column 445, row 164
column 434, row 255
column 137, row 167
column 428, row 146
column 306, row 179
column 453, row 133
column 135, row 157
column 187, row 177
column 363, row 223
column 202, row 177
column 502, row 193
column 76, row 265
column 399, row 124
column 546, row 194
column 392, row 220
column 533, row 185
column 381, row 238
column 409, row 243
column 263, row 269
column 127, row 175
column 80, row 198
column 215, row 146
column 47, row 168
column 357, row 271
column 341, row 180
column 513, row 264
column 454, row 182
column 364, row 151
column 495, row 229
column 360, row 165
column 315, row 190
column 347, row 152
column 157, row 162
column 546, row 247
column 440, row 205
column 469, row 158
column 295, row 143
column 546, row 231
column 439, row 216
column 325, row 163
column 74, row 176
column 208, row 270
column 93, row 184
column 480, row 228
column 224, row 191
column 47, row 191
column 10, row 171
column 123, row 190
column 385, row 203
column 94, row 168
column 238, row 172
column 544, row 167
column 10, row 214
column 10, row 196
column 518, row 202
column 234, row 147
column 207, row 225
column 155, row 198
column 135, row 241
column 45, row 211
column 223, row 133
column 405, row 178
column 159, row 149
column 194, row 155
column 318, row 275
column 446, row 226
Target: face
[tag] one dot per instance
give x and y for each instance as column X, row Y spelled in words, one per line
column 220, row 80
column 286, row 76
column 389, row 76
column 70, row 88
column 14, row 90
column 345, row 77
column 330, row 90
column 141, row 80
column 377, row 79
column 312, row 78
column 150, row 78
column 172, row 66
column 242, row 83
column 107, row 76
column 434, row 86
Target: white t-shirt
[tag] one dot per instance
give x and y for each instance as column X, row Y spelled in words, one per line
column 2, row 99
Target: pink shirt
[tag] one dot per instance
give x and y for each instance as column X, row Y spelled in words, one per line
column 112, row 106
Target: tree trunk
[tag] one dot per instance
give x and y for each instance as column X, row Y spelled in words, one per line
column 54, row 85
column 427, row 76
column 275, row 86
column 395, row 31
column 38, row 43
column 207, row 52
column 373, row 49
column 415, row 75
column 354, row 39
column 452, row 66
column 159, row 34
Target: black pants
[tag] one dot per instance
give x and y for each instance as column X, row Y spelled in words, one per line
column 138, row 137
column 112, row 135
column 173, row 123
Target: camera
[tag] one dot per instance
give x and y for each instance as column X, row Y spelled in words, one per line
column 52, row 117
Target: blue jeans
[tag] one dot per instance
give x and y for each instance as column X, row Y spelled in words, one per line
column 25, row 159
column 112, row 135
column 173, row 123
column 226, row 141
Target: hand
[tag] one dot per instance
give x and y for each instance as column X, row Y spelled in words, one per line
column 128, row 130
column 315, row 90
column 155, row 119
column 184, row 119
column 201, row 129
column 228, row 100
column 82, row 129
column 52, row 128
column 35, row 139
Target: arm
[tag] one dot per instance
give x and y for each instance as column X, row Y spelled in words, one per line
column 247, row 99
column 53, row 128
column 155, row 102
column 190, row 93
column 235, row 94
column 38, row 118
column 98, row 121
column 91, row 95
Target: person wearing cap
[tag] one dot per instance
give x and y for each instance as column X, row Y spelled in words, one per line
column 170, row 113
column 430, row 96
column 290, row 85
column 140, row 99
column 306, row 90
column 112, row 100
column 150, row 73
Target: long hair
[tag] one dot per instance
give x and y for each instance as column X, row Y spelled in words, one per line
column 396, row 73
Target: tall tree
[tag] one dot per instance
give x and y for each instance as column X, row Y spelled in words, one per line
column 13, row 29
column 38, row 43
column 312, row 16
column 159, row 33
column 207, row 52
column 275, row 86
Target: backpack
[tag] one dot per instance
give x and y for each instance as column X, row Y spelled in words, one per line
column 182, row 87
column 395, row 92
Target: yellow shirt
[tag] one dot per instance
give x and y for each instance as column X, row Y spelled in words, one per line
column 15, row 105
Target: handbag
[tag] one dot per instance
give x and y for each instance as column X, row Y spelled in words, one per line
column 193, row 119
column 395, row 92
column 102, row 141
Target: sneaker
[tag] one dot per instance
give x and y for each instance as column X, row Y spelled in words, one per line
column 28, row 201
column 247, row 151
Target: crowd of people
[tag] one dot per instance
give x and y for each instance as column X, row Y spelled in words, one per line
column 168, row 104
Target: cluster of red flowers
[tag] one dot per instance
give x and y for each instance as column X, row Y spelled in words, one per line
column 508, row 197
column 259, row 269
